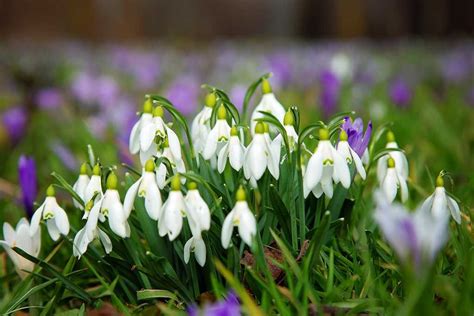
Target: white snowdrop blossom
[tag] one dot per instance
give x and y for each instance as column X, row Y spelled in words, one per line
column 20, row 237
column 200, row 126
column 325, row 168
column 345, row 150
column 174, row 209
column 93, row 189
column 270, row 104
column 218, row 136
column 261, row 154
column 440, row 204
column 80, row 186
column 145, row 118
column 196, row 245
column 392, row 181
column 54, row 216
column 288, row 124
column 242, row 217
column 147, row 188
column 233, row 151
column 401, row 162
column 172, row 152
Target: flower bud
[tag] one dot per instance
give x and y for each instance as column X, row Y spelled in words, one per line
column 288, row 119
column 266, row 87
column 390, row 137
column 211, row 100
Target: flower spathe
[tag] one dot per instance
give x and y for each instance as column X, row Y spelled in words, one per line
column 345, row 150
column 392, row 181
column 145, row 118
column 261, row 154
column 439, row 204
column 174, row 209
column 54, row 216
column 269, row 103
column 242, row 217
column 233, row 151
column 218, row 135
column 325, row 168
column 147, row 188
column 80, row 185
column 20, row 237
column 200, row 127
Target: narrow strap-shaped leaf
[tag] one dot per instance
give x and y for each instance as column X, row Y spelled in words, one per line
column 67, row 187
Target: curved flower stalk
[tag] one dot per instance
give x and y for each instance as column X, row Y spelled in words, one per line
column 242, row 217
column 200, row 127
column 439, row 204
column 90, row 232
column 358, row 140
column 325, row 168
column 392, row 181
column 20, row 237
column 233, row 151
column 416, row 237
column 145, row 118
column 111, row 208
column 345, row 150
column 147, row 188
column 93, row 189
column 261, row 154
column 80, row 185
column 218, row 136
column 270, row 104
column 401, row 162
column 172, row 152
column 174, row 209
column 54, row 216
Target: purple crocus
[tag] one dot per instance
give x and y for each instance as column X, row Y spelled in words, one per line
column 28, row 182
column 49, row 98
column 416, row 237
column 400, row 93
column 358, row 140
column 14, row 120
column 229, row 306
column 330, row 88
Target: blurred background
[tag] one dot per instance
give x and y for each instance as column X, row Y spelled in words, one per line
column 75, row 74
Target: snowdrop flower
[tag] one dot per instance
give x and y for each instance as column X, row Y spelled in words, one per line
column 196, row 245
column 55, row 217
column 218, row 135
column 391, row 181
column 233, row 151
column 145, row 118
column 262, row 154
column 197, row 209
column 172, row 152
column 269, row 103
column 401, row 162
column 288, row 124
column 90, row 232
column 80, row 185
column 111, row 208
column 174, row 209
column 325, row 166
column 439, row 204
column 21, row 238
column 147, row 188
column 345, row 150
column 93, row 188
column 416, row 237
column 200, row 127
column 242, row 217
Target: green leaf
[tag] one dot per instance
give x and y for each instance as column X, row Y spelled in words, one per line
column 68, row 188
column 154, row 294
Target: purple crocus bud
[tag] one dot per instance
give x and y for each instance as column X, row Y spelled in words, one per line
column 330, row 88
column 416, row 237
column 358, row 140
column 400, row 93
column 230, row 306
column 184, row 93
column 49, row 98
column 14, row 120
column 28, row 183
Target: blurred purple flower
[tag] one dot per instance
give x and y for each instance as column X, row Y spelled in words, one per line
column 227, row 307
column 106, row 91
column 83, row 87
column 330, row 88
column 49, row 98
column 400, row 93
column 65, row 155
column 28, row 183
column 358, row 140
column 280, row 65
column 457, row 66
column 184, row 93
column 237, row 95
column 14, row 120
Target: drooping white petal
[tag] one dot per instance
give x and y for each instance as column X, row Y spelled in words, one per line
column 105, row 240
column 222, row 158
column 116, row 215
column 390, row 184
column 147, row 136
column 341, row 169
column 130, row 197
column 314, row 172
column 382, row 168
column 80, row 188
column 200, row 251
column 247, row 223
column 358, row 163
column 93, row 187
column 256, row 158
column 35, row 220
column 440, row 203
column 153, row 201
column 8, row 233
column 52, row 229
column 227, row 228
column 174, row 144
column 236, row 153
column 187, row 249
column 403, row 188
column 61, row 220
column 211, row 144
column 326, row 181
column 134, row 143
column 454, row 209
